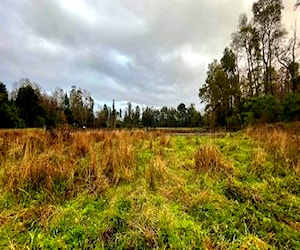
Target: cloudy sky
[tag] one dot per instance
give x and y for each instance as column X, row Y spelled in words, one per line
column 151, row 52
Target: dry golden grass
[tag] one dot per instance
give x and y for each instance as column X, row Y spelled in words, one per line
column 116, row 157
column 284, row 142
column 41, row 214
column 252, row 240
column 209, row 159
column 30, row 160
column 164, row 140
column 156, row 171
column 65, row 161
column 208, row 244
column 259, row 158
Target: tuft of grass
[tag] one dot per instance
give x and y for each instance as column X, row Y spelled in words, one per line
column 164, row 140
column 117, row 159
column 209, row 159
column 156, row 172
column 259, row 160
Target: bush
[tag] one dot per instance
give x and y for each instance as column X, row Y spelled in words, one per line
column 291, row 107
column 9, row 117
column 272, row 109
column 261, row 109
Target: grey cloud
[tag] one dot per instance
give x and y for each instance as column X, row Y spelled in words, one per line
column 150, row 52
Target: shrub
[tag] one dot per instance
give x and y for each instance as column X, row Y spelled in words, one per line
column 263, row 109
column 291, row 107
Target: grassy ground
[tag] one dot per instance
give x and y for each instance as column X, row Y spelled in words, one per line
column 136, row 190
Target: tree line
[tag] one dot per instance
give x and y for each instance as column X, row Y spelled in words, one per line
column 28, row 106
column 257, row 79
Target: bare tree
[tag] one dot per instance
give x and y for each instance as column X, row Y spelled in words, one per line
column 245, row 42
column 267, row 19
column 287, row 55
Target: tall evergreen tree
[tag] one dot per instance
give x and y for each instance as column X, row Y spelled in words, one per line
column 28, row 104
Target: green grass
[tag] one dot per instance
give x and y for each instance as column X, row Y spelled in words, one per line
column 168, row 203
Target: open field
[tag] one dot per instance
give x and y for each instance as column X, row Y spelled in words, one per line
column 136, row 190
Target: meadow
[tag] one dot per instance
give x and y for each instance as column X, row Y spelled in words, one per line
column 150, row 190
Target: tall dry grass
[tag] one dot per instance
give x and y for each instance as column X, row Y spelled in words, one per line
column 112, row 160
column 259, row 158
column 209, row 159
column 156, row 172
column 282, row 141
column 66, row 161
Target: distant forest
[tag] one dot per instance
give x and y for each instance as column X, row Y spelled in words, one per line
column 256, row 80
column 28, row 106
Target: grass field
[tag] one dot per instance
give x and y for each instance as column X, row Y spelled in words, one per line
column 137, row 190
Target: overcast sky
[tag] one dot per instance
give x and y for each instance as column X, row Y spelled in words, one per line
column 151, row 52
